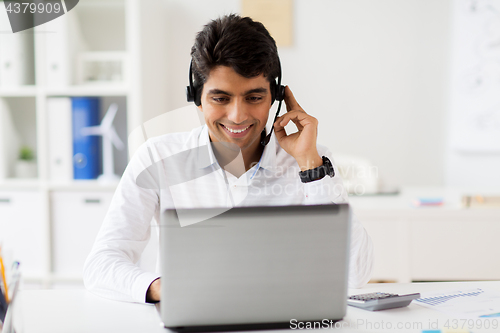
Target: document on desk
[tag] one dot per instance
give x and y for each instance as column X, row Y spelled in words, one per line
column 469, row 303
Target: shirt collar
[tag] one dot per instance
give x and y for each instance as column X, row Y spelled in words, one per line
column 206, row 156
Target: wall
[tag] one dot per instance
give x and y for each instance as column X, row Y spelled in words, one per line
column 373, row 73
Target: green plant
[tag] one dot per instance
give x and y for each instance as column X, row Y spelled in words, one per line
column 26, row 154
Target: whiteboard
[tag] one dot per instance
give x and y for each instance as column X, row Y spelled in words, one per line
column 475, row 76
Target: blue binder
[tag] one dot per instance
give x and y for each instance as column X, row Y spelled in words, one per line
column 3, row 306
column 86, row 149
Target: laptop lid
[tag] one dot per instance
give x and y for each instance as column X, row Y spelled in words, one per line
column 254, row 265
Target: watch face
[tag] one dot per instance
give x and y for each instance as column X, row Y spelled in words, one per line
column 318, row 173
column 328, row 166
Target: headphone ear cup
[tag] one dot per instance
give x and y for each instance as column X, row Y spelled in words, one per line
column 189, row 94
column 197, row 96
column 193, row 91
column 272, row 87
column 280, row 93
column 277, row 92
column 193, row 94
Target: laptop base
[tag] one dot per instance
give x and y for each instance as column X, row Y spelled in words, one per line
column 247, row 327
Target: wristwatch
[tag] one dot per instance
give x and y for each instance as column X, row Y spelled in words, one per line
column 317, row 173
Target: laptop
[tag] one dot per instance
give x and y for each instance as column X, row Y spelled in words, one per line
column 253, row 267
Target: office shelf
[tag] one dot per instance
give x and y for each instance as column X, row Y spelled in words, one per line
column 20, row 184
column 107, row 27
column 89, row 90
column 83, row 185
column 443, row 243
column 22, row 91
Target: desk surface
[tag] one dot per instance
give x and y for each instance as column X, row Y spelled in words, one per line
column 80, row 311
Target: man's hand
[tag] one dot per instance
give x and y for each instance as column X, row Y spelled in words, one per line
column 153, row 293
column 302, row 144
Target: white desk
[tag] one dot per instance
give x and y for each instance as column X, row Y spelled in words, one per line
column 79, row 311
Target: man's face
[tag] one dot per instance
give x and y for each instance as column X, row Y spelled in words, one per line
column 236, row 108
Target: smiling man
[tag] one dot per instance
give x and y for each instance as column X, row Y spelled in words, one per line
column 236, row 111
column 230, row 161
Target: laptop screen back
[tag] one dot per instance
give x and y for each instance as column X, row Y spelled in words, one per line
column 254, row 265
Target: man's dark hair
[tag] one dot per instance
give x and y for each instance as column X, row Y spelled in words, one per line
column 237, row 42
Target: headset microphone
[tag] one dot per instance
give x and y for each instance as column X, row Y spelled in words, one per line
column 278, row 92
column 279, row 96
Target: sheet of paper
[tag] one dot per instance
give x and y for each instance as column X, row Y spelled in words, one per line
column 470, row 303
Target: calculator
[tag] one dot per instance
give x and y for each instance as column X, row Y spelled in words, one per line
column 381, row 301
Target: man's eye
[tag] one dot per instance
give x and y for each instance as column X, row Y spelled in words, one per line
column 219, row 99
column 254, row 98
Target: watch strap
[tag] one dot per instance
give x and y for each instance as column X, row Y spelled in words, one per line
column 320, row 172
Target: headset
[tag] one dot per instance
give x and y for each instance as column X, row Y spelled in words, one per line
column 193, row 94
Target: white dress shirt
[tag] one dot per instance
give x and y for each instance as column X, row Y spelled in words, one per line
column 185, row 166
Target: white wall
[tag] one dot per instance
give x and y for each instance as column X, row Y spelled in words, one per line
column 374, row 72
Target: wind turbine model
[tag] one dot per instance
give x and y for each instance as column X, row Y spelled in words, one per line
column 109, row 138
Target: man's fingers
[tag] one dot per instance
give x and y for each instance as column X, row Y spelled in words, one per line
column 279, row 131
column 299, row 118
column 291, row 103
column 294, row 119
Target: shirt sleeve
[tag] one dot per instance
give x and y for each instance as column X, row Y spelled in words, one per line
column 111, row 268
column 331, row 189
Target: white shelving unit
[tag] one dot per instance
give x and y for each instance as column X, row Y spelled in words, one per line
column 442, row 243
column 36, row 214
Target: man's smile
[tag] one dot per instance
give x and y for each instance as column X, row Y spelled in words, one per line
column 236, row 131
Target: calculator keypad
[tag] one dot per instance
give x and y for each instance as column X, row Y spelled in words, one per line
column 372, row 296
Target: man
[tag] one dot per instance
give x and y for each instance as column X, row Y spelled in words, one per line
column 225, row 163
